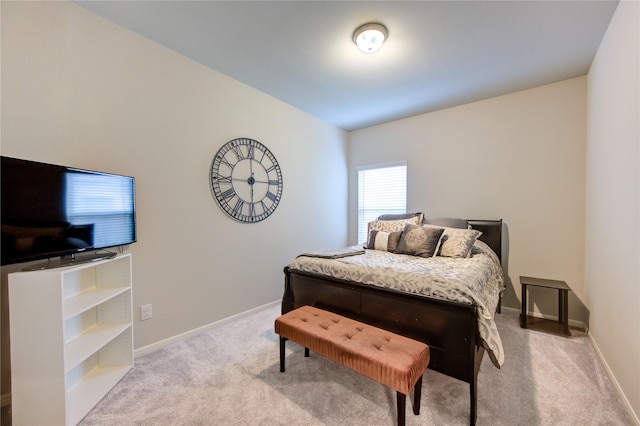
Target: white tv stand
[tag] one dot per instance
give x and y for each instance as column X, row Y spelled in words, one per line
column 71, row 339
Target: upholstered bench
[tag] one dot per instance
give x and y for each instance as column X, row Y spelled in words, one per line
column 395, row 361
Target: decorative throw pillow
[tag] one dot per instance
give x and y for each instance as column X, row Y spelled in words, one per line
column 391, row 225
column 420, row 241
column 457, row 242
column 398, row 216
column 385, row 241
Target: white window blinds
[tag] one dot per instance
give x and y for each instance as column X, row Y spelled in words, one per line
column 382, row 189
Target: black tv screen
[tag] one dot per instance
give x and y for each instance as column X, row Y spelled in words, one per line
column 49, row 210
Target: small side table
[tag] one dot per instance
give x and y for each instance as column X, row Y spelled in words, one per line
column 563, row 300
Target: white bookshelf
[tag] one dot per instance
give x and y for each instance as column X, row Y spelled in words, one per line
column 71, row 339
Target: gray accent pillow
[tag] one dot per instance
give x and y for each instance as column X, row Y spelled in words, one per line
column 420, row 241
column 398, row 216
column 385, row 241
column 448, row 222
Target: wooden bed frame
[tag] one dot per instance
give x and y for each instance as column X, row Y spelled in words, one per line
column 449, row 328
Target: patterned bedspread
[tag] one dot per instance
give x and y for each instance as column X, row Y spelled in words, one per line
column 476, row 280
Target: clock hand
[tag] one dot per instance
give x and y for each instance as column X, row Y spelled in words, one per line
column 250, row 180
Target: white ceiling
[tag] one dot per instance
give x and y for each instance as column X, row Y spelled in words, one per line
column 439, row 53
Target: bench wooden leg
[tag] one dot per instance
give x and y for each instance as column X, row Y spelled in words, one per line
column 417, row 394
column 474, row 401
column 282, row 340
column 401, row 403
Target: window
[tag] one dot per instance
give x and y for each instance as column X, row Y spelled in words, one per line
column 382, row 189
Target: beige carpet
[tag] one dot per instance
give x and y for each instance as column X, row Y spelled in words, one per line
column 230, row 376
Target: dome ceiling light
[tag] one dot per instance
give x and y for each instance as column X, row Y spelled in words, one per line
column 369, row 37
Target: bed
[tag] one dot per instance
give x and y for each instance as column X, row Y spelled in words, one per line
column 457, row 325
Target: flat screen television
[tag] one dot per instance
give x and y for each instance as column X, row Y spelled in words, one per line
column 57, row 212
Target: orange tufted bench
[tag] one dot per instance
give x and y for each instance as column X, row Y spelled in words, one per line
column 395, row 361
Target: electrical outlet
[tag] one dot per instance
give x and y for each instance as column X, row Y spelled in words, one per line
column 145, row 312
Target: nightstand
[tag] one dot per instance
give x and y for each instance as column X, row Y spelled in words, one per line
column 563, row 305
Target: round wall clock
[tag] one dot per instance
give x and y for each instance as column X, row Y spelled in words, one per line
column 246, row 180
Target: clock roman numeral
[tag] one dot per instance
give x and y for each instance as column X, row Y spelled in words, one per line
column 228, row 194
column 237, row 209
column 238, row 152
column 270, row 195
column 225, row 162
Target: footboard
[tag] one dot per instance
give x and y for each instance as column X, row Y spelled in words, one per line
column 449, row 328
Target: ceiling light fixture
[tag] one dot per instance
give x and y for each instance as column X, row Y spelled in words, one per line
column 369, row 37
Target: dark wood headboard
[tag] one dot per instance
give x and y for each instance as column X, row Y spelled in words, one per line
column 491, row 233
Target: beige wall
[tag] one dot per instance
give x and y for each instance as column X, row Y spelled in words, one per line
column 81, row 91
column 612, row 271
column 519, row 157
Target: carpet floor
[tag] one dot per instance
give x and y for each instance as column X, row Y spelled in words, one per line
column 230, row 376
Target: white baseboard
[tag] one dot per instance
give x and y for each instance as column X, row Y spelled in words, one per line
column 191, row 333
column 625, row 401
column 572, row 323
column 580, row 324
